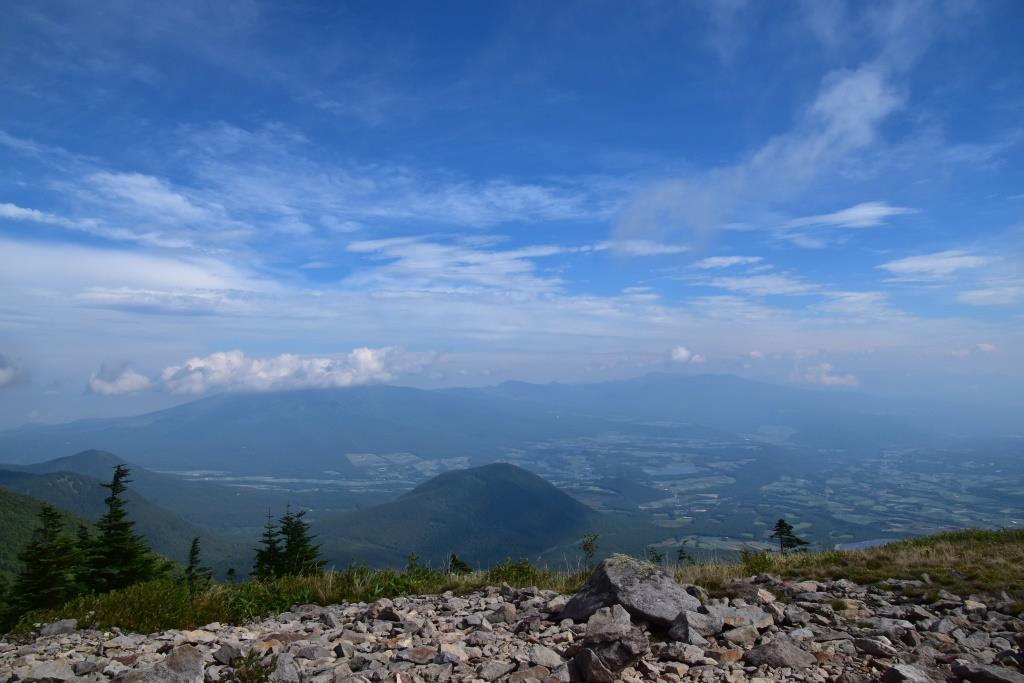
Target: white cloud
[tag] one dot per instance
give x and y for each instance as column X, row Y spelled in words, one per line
column 684, row 356
column 843, row 119
column 765, row 285
column 111, row 381
column 234, row 371
column 933, row 267
column 641, row 247
column 756, row 355
column 1001, row 295
column 866, row 215
column 9, row 372
column 984, row 347
column 823, row 374
column 714, row 262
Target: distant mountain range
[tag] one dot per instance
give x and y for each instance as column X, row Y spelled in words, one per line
column 295, row 433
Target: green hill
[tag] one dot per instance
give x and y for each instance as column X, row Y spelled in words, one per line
column 20, row 516
column 485, row 515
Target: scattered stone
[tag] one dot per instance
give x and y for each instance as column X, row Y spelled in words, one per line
column 516, row 636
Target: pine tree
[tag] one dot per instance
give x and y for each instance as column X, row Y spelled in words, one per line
column 783, row 533
column 83, row 552
column 197, row 577
column 456, row 565
column 301, row 555
column 268, row 555
column 118, row 556
column 47, row 578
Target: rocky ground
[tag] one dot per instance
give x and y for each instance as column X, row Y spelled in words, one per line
column 630, row 623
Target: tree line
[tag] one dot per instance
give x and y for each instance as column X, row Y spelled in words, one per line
column 57, row 566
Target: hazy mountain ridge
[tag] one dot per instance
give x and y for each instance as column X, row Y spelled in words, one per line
column 310, row 431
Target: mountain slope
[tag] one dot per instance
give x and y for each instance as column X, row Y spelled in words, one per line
column 165, row 532
column 208, row 504
column 483, row 514
column 20, row 515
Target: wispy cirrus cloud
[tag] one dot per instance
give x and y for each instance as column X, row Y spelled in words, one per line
column 716, row 262
column 934, row 267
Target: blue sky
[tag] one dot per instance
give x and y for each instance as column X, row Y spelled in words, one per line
column 201, row 197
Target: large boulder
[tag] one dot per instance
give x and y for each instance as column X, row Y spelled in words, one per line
column 647, row 592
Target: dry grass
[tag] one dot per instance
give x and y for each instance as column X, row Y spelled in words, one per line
column 968, row 561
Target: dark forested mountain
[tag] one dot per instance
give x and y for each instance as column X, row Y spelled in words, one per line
column 165, row 531
column 483, row 514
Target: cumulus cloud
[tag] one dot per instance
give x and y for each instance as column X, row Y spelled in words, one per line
column 684, row 356
column 234, row 371
column 113, row 380
column 715, row 262
column 823, row 374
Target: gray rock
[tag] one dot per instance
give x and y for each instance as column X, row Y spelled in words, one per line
column 744, row 636
column 904, row 673
column 183, row 665
column 644, row 590
column 874, row 647
column 589, row 667
column 608, row 624
column 982, row 673
column 59, row 628
column 51, row 670
column 545, row 656
column 494, row 669
column 688, row 623
column 287, row 671
column 227, row 653
column 778, row 653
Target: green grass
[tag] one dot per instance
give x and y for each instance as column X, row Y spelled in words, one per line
column 964, row 562
column 165, row 604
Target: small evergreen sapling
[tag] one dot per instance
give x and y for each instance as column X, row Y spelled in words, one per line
column 197, row 577
column 268, row 554
column 589, row 547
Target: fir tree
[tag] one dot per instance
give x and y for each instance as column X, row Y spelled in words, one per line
column 268, row 562
column 783, row 533
column 301, row 555
column 457, row 565
column 47, row 577
column 118, row 557
column 197, row 577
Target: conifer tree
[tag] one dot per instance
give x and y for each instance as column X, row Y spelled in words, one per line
column 301, row 555
column 118, row 556
column 268, row 555
column 47, row 576
column 783, row 533
column 197, row 577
